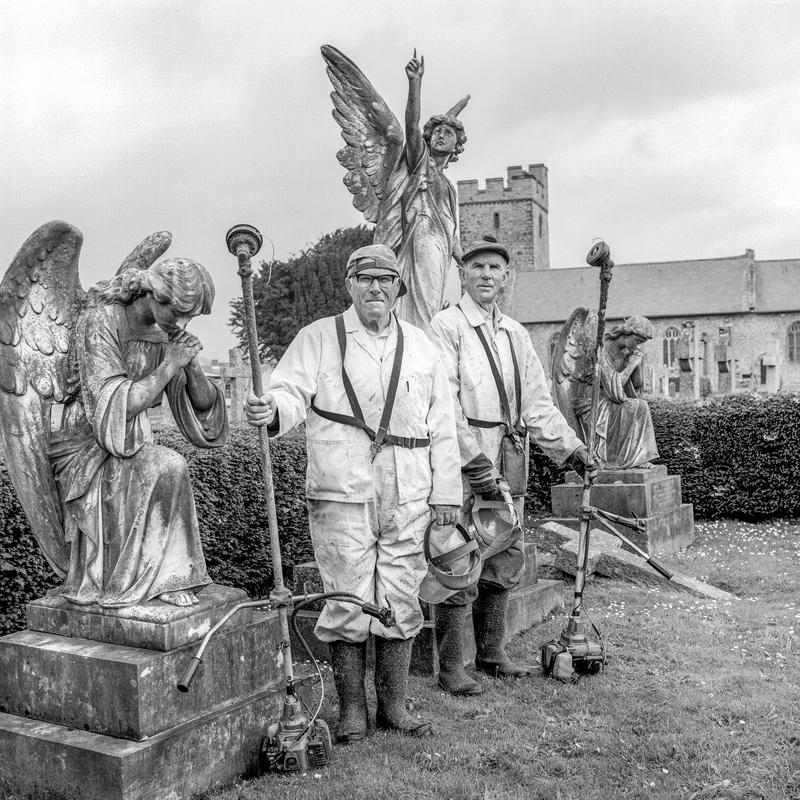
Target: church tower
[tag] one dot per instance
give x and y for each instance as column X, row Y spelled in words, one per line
column 514, row 211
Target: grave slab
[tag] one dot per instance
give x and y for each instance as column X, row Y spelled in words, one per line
column 153, row 625
column 651, row 495
column 74, row 764
column 131, row 692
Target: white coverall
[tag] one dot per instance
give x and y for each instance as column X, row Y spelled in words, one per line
column 367, row 518
column 476, row 397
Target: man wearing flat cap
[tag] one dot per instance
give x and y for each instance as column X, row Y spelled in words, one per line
column 383, row 461
column 501, row 397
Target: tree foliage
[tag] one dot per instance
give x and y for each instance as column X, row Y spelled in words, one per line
column 291, row 294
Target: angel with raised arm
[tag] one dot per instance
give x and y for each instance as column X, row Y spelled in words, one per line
column 112, row 511
column 398, row 181
column 624, row 436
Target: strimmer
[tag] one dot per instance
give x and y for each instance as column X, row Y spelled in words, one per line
column 575, row 652
column 299, row 740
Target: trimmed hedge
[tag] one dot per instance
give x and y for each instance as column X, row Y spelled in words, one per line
column 738, row 457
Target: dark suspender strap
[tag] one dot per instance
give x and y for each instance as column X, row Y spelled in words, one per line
column 501, row 390
column 355, row 406
column 517, row 380
column 483, row 423
column 391, row 392
column 357, row 420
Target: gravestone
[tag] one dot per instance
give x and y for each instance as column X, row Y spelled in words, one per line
column 89, row 707
column 649, row 495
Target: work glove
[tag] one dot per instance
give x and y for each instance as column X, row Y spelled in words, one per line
column 481, row 474
column 582, row 462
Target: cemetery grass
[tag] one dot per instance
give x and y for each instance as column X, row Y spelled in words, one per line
column 700, row 700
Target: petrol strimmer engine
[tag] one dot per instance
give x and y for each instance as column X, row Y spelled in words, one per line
column 572, row 654
column 297, row 743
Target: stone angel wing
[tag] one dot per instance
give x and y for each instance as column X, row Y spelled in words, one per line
column 572, row 367
column 373, row 136
column 147, row 252
column 40, row 299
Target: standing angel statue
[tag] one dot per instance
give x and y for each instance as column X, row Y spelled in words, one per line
column 398, row 181
column 624, row 437
column 112, row 512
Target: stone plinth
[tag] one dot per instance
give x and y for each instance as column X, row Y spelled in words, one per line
column 104, row 721
column 75, row 764
column 154, row 625
column 647, row 494
column 532, row 601
column 130, row 692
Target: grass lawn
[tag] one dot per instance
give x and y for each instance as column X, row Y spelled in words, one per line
column 699, row 700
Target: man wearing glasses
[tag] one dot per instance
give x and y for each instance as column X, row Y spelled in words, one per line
column 383, row 460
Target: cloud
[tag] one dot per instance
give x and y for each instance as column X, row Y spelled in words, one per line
column 670, row 128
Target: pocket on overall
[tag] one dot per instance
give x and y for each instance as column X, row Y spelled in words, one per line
column 514, row 464
column 328, row 466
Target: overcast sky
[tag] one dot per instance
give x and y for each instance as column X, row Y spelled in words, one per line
column 671, row 129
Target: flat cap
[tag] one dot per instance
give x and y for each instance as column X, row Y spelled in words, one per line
column 488, row 244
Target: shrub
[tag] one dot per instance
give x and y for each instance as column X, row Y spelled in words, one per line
column 738, row 456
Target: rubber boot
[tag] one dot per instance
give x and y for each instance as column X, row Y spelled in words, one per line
column 489, row 621
column 349, row 663
column 450, row 639
column 392, row 659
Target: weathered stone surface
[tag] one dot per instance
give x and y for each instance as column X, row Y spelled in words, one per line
column 530, row 575
column 651, row 495
column 665, row 533
column 600, row 543
column 131, row 692
column 627, row 499
column 154, row 625
column 657, row 473
column 616, row 562
column 76, row 764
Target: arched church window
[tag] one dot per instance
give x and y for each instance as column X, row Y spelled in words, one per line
column 793, row 343
column 496, row 219
column 541, row 226
column 670, row 345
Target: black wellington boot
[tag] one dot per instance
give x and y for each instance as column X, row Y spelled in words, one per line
column 349, row 663
column 450, row 638
column 392, row 658
column 489, row 621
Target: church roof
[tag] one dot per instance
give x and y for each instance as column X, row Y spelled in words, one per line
column 733, row 285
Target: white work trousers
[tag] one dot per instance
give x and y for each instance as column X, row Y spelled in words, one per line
column 372, row 550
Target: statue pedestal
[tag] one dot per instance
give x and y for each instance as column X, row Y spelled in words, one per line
column 103, row 720
column 649, row 494
column 532, row 601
